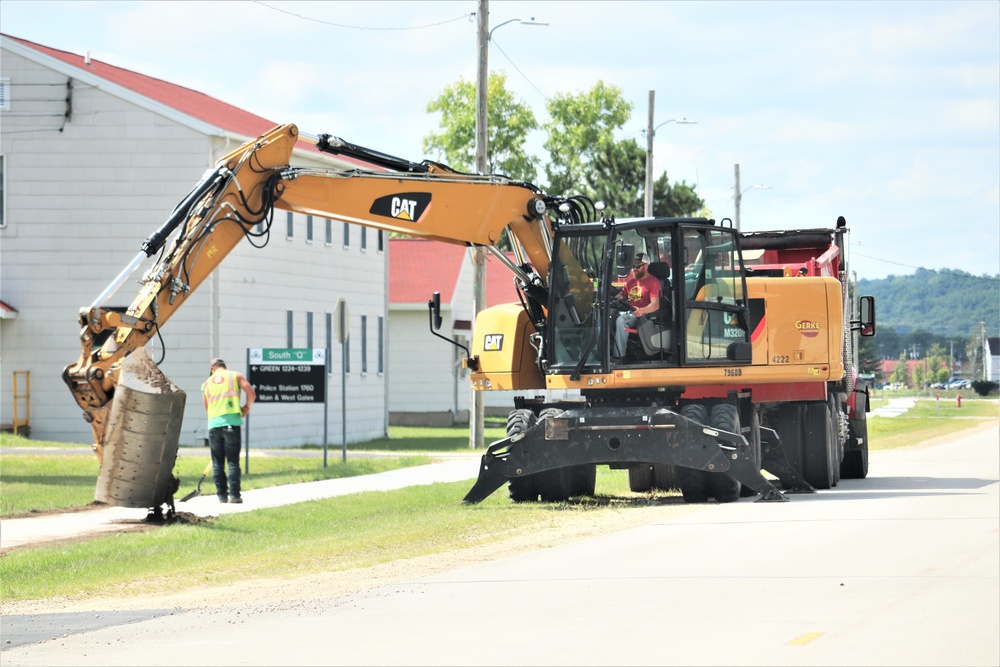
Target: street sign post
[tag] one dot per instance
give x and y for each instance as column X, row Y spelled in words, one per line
column 289, row 375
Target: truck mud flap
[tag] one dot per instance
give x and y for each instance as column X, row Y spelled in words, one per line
column 775, row 462
column 143, row 433
column 619, row 435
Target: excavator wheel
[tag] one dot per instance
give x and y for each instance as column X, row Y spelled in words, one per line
column 725, row 417
column 555, row 486
column 694, row 483
column 640, row 478
column 666, row 477
column 521, row 489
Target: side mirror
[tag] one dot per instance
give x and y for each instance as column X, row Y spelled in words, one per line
column 434, row 305
column 867, row 321
column 624, row 255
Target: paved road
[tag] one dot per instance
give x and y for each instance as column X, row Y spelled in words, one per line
column 902, row 568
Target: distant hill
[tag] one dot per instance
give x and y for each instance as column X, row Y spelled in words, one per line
column 945, row 302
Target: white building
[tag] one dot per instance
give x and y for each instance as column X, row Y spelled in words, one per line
column 991, row 359
column 93, row 159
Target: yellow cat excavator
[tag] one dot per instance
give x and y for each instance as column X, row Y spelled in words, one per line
column 747, row 364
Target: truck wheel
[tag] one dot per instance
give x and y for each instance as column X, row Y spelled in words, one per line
column 521, row 489
column 725, row 417
column 694, row 483
column 818, row 448
column 788, row 418
column 855, row 463
column 640, row 478
column 836, row 417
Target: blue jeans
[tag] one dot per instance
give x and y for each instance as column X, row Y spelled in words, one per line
column 224, row 443
column 624, row 321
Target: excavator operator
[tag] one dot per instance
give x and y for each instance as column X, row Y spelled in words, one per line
column 642, row 294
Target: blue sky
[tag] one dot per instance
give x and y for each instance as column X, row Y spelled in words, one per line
column 885, row 113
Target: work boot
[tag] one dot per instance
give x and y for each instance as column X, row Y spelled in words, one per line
column 223, row 499
column 235, row 500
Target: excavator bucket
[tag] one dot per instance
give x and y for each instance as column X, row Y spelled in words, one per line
column 144, row 427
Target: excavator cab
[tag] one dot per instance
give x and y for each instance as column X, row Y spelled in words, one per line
column 702, row 317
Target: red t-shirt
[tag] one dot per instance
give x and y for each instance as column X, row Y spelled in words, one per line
column 639, row 291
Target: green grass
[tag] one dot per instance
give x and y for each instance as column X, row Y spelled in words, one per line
column 926, row 420
column 337, row 533
column 324, row 535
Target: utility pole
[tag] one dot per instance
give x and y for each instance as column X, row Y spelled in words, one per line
column 649, row 158
column 477, row 413
column 737, row 196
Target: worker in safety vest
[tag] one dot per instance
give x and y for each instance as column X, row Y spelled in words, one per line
column 221, row 396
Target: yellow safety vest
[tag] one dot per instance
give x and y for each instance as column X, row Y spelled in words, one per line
column 223, row 393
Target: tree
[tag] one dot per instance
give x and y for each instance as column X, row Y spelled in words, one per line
column 868, row 359
column 581, row 127
column 675, row 201
column 616, row 176
column 899, row 373
column 508, row 123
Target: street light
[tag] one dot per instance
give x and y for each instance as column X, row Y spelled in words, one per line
column 650, row 133
column 738, row 194
column 484, row 36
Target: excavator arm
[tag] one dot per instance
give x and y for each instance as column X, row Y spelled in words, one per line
column 425, row 200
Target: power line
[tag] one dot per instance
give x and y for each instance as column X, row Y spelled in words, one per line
column 519, row 70
column 361, row 27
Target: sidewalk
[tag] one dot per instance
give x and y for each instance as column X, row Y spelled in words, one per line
column 896, row 407
column 50, row 527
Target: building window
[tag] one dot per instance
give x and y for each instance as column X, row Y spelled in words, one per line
column 381, row 345
column 347, row 235
column 364, row 239
column 309, row 329
column 5, row 94
column 288, row 228
column 381, row 241
column 329, row 231
column 288, row 328
column 364, row 344
column 309, row 229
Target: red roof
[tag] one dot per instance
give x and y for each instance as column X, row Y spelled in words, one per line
column 190, row 102
column 419, row 267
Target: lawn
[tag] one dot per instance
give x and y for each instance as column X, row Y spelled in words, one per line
column 333, row 534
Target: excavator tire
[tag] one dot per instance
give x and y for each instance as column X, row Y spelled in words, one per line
column 694, row 483
column 640, row 478
column 725, row 417
column 578, row 480
column 666, row 477
column 522, row 490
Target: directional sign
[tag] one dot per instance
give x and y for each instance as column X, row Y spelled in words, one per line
column 288, row 375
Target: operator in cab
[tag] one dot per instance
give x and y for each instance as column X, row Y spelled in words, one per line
column 642, row 293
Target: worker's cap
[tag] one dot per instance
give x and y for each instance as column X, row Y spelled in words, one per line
column 640, row 259
column 218, row 363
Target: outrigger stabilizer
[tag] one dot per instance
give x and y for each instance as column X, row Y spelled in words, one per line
column 634, row 435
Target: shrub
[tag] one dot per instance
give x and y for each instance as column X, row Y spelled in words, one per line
column 984, row 387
